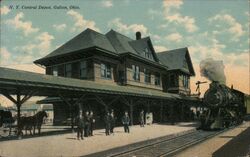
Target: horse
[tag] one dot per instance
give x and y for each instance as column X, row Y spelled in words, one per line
column 32, row 122
column 39, row 119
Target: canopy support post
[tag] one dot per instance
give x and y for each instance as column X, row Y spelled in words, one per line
column 18, row 102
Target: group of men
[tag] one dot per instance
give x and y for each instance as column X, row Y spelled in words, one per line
column 109, row 121
column 86, row 123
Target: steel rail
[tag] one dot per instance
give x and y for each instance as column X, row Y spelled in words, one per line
column 169, row 146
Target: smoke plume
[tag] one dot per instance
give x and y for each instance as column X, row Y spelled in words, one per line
column 213, row 70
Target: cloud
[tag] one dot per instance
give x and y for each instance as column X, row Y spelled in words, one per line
column 5, row 56
column 44, row 40
column 247, row 14
column 154, row 13
column 59, row 27
column 4, row 10
column 41, row 44
column 200, row 52
column 24, row 26
column 172, row 15
column 107, row 3
column 39, row 47
column 81, row 23
column 175, row 37
column 124, row 28
column 226, row 23
column 159, row 48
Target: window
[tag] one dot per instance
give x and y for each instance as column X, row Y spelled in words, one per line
column 147, row 78
column 55, row 71
column 136, row 72
column 68, row 70
column 174, row 81
column 106, row 71
column 185, row 81
column 157, row 79
column 122, row 76
column 147, row 53
column 83, row 69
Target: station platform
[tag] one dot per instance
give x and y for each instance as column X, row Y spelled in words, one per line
column 67, row 144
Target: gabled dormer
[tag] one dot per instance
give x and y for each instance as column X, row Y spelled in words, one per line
column 144, row 48
column 179, row 72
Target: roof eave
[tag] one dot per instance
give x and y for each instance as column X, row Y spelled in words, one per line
column 43, row 60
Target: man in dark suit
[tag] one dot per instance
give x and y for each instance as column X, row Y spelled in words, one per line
column 87, row 124
column 107, row 123
column 125, row 122
column 112, row 122
column 92, row 121
column 80, row 125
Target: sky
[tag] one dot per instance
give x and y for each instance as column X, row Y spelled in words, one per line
column 217, row 29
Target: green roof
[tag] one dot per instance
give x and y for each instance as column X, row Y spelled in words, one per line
column 176, row 60
column 120, row 42
column 112, row 43
column 87, row 39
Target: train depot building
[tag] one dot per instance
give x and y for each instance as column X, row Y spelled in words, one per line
column 103, row 72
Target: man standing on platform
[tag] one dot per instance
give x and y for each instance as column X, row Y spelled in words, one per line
column 92, row 121
column 141, row 118
column 80, row 125
column 87, row 124
column 107, row 123
column 125, row 122
column 112, row 122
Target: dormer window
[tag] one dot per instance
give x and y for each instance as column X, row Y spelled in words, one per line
column 147, row 53
column 147, row 76
column 185, row 81
column 136, row 72
column 106, row 71
column 157, row 79
column 83, row 69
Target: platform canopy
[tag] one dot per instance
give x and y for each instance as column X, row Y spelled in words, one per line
column 24, row 85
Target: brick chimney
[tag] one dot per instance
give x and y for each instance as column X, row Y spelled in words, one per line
column 138, row 35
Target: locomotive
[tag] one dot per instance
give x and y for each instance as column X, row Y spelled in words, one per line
column 224, row 107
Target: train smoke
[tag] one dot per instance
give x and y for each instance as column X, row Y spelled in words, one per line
column 213, row 70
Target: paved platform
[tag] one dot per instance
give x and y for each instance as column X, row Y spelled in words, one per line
column 68, row 145
column 230, row 143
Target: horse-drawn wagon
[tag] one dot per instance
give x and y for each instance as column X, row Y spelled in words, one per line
column 8, row 123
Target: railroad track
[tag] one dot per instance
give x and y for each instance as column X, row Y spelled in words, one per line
column 166, row 147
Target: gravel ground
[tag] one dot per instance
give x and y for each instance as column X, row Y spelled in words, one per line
column 207, row 148
column 68, row 145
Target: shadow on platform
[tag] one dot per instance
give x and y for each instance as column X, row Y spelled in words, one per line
column 43, row 133
column 238, row 146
